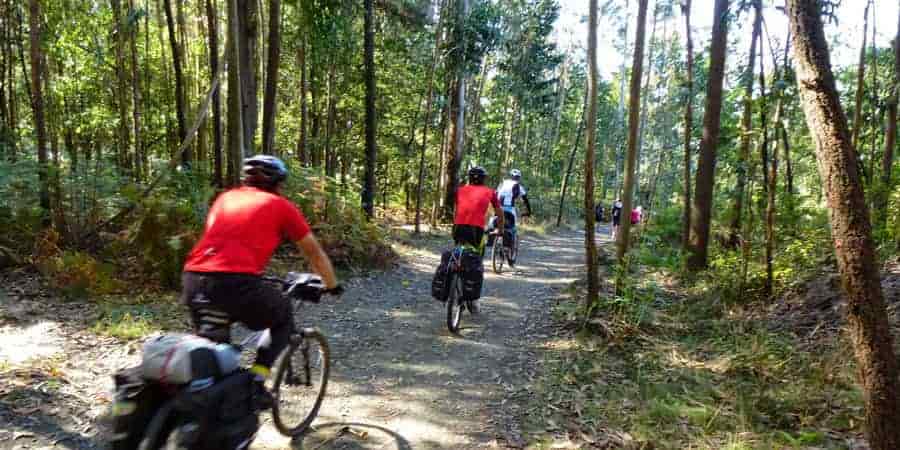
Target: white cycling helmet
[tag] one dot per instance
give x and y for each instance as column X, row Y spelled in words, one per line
column 515, row 173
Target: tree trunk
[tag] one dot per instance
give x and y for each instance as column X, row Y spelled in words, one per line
column 890, row 140
column 304, row 109
column 235, row 104
column 212, row 21
column 270, row 100
column 248, row 20
column 706, row 165
column 850, row 227
column 456, row 149
column 368, row 193
column 329, row 121
column 746, row 131
column 644, row 111
column 429, row 99
column 688, row 125
column 590, row 241
column 37, row 104
column 136, row 100
column 860, row 77
column 565, row 180
column 179, row 82
column 634, row 113
column 123, row 142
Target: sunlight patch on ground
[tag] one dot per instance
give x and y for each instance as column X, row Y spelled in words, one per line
column 39, row 340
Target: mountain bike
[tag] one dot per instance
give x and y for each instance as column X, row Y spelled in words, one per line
column 499, row 252
column 456, row 301
column 301, row 378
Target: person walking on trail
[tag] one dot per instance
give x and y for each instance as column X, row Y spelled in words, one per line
column 637, row 214
column 598, row 213
column 510, row 190
column 472, row 201
column 222, row 275
column 616, row 217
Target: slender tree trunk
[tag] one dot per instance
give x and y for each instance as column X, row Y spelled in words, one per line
column 329, row 123
column 429, row 100
column 368, row 193
column 644, row 110
column 13, row 97
column 890, row 140
column 770, row 168
column 456, row 149
column 304, row 109
column 634, row 113
column 136, row 99
column 860, row 77
column 270, row 100
column 177, row 65
column 706, row 165
column 590, row 240
column 123, row 142
column 235, row 104
column 746, row 131
column 248, row 46
column 212, row 22
column 850, row 227
column 565, row 180
column 37, row 104
column 688, row 125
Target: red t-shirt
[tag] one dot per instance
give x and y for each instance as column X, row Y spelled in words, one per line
column 242, row 230
column 472, row 203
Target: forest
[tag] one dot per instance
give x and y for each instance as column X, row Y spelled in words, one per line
column 754, row 305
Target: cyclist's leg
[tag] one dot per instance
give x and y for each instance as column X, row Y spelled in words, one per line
column 208, row 319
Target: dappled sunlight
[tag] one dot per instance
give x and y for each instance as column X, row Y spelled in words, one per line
column 36, row 341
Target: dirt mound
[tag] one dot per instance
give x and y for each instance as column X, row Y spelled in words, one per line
column 818, row 306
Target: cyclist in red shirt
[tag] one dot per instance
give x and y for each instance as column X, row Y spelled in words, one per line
column 222, row 275
column 472, row 201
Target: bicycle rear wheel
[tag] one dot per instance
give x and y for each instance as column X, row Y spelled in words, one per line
column 300, row 382
column 497, row 256
column 454, row 303
column 160, row 433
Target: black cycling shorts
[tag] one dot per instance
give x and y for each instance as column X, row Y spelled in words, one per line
column 468, row 234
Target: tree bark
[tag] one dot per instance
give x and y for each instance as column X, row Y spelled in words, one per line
column 368, row 193
column 644, row 110
column 124, row 143
column 248, row 47
column 136, row 100
column 456, row 149
column 688, row 125
column 212, row 22
column 860, row 77
column 746, row 130
column 37, row 104
column 634, row 114
column 270, row 100
column 235, row 104
column 304, row 109
column 429, row 100
column 565, row 180
column 590, row 242
column 706, row 165
column 890, row 140
column 177, row 65
column 850, row 227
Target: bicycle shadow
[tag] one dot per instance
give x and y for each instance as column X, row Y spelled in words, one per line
column 349, row 436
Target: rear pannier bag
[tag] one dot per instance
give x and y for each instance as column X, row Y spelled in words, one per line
column 440, row 284
column 472, row 275
column 135, row 402
column 224, row 412
column 170, row 358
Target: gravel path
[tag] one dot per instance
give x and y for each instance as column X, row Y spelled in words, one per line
column 399, row 379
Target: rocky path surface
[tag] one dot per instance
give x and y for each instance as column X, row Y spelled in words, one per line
column 399, row 379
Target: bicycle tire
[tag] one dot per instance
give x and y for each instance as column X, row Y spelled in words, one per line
column 454, row 304
column 497, row 256
column 298, row 353
column 160, row 429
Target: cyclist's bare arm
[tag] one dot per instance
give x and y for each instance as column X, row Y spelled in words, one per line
column 319, row 261
column 498, row 211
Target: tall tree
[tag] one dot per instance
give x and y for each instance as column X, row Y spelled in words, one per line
column 860, row 78
column 136, row 97
column 37, row 102
column 178, row 66
column 850, row 227
column 890, row 138
column 302, row 151
column 688, row 123
column 270, row 99
column 368, row 193
column 455, row 149
column 212, row 23
column 634, row 114
column 248, row 49
column 123, row 153
column 701, row 212
column 236, row 148
column 746, row 128
column 590, row 242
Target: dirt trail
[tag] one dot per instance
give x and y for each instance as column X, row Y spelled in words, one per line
column 400, row 380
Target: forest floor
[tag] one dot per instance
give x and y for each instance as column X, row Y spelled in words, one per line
column 399, row 378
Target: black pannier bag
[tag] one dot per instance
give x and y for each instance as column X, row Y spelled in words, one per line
column 472, row 275
column 135, row 402
column 440, row 284
column 224, row 413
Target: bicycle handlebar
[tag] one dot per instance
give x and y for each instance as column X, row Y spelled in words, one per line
column 302, row 286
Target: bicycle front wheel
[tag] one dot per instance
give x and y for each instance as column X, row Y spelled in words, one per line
column 454, row 303
column 300, row 382
column 497, row 257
